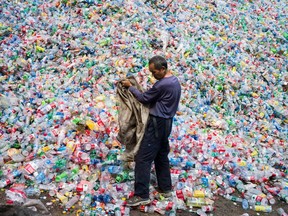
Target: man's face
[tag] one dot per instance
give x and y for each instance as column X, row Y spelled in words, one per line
column 158, row 74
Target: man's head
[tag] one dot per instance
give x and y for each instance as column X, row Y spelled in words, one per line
column 158, row 67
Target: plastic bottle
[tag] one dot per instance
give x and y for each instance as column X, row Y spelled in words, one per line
column 147, row 209
column 284, row 195
column 90, row 146
column 86, row 202
column 74, row 174
column 17, row 196
column 82, row 155
column 121, row 177
column 47, row 108
column 233, row 198
column 245, row 204
column 4, row 183
column 39, row 177
column 114, row 169
column 14, row 174
column 240, row 186
column 72, row 202
column 61, row 177
column 208, row 208
column 271, row 199
column 47, row 187
column 66, row 187
column 32, row 191
column 198, row 194
column 32, row 166
column 61, row 197
column 18, row 157
column 229, row 190
column 201, row 212
column 61, row 136
column 260, row 208
column 196, row 202
column 281, row 212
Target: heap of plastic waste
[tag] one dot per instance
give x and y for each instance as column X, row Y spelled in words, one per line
column 59, row 65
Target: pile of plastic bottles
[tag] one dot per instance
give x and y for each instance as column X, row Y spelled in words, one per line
column 60, row 61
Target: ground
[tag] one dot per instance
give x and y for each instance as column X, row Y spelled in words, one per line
column 223, row 208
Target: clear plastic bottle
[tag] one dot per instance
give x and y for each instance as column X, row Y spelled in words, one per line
column 233, row 198
column 18, row 157
column 115, row 169
column 39, row 177
column 61, row 197
column 240, row 186
column 47, row 187
column 32, row 166
column 17, row 196
column 245, row 204
column 80, row 154
column 281, row 212
column 208, row 208
column 86, row 202
column 148, row 209
column 47, row 108
column 196, row 202
column 32, row 191
column 72, row 201
column 201, row 212
column 271, row 199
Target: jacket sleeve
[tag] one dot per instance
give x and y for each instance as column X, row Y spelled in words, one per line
column 147, row 97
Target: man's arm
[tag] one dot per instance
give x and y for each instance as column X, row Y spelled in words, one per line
column 147, row 97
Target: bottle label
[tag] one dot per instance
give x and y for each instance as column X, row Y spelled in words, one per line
column 62, row 198
column 199, row 194
column 179, row 194
column 29, row 168
column 46, row 148
column 71, row 146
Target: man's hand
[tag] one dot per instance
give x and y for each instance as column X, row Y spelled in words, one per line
column 126, row 83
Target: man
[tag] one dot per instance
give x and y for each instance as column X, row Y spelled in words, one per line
column 163, row 99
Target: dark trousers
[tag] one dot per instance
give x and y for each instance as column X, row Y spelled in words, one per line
column 154, row 147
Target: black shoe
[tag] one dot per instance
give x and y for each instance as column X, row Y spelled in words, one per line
column 136, row 200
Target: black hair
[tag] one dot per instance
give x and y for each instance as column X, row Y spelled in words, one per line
column 158, row 62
